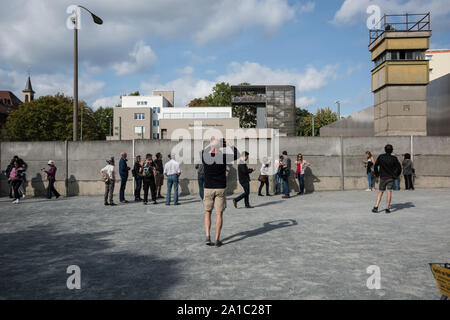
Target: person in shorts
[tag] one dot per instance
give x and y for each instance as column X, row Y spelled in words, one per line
column 215, row 168
column 387, row 168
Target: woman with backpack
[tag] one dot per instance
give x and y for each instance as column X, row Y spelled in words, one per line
column 369, row 164
column 148, row 177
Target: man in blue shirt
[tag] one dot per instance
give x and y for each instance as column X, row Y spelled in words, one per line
column 123, row 171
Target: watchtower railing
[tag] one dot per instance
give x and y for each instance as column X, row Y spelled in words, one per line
column 400, row 22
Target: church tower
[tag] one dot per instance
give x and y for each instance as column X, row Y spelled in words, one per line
column 28, row 93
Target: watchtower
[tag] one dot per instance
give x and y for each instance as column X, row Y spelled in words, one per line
column 400, row 75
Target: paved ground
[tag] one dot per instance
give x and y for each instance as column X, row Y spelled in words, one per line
column 316, row 246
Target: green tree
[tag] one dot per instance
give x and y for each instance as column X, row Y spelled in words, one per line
column 104, row 118
column 323, row 117
column 246, row 114
column 221, row 96
column 49, row 118
column 134, row 94
column 197, row 102
column 300, row 114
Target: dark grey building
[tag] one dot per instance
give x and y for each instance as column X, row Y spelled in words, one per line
column 275, row 105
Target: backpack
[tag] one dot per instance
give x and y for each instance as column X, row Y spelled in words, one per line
column 147, row 170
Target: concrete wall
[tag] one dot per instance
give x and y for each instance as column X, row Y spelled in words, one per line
column 337, row 163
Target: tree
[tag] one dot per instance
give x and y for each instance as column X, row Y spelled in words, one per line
column 300, row 114
column 49, row 118
column 134, row 94
column 197, row 102
column 323, row 117
column 104, row 118
column 221, row 96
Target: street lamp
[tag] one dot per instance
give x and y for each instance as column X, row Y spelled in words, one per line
column 338, row 109
column 97, row 20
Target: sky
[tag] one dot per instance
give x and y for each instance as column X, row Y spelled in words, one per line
column 319, row 46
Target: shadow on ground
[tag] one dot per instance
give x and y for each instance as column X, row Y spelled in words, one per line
column 267, row 227
column 34, row 263
column 400, row 206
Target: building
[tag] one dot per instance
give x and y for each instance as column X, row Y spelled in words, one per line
column 439, row 60
column 275, row 105
column 155, row 117
column 8, row 103
column 28, row 93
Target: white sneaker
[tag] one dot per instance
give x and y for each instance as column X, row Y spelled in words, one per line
column 368, row 189
column 16, row 201
column 23, row 196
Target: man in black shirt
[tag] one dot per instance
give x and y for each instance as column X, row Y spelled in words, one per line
column 388, row 168
column 137, row 179
column 215, row 168
column 244, row 180
column 159, row 175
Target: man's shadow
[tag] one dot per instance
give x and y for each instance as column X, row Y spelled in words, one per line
column 267, row 227
column 400, row 206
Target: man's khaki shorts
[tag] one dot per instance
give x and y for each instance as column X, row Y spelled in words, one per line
column 159, row 179
column 215, row 198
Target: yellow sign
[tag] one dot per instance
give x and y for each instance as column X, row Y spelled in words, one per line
column 442, row 276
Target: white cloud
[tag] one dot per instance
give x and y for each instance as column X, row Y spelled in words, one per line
column 255, row 73
column 34, row 33
column 141, row 59
column 188, row 87
column 306, row 102
column 186, row 70
column 50, row 84
column 308, row 7
column 353, row 11
column 106, row 102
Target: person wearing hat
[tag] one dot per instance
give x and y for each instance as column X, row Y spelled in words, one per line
column 51, row 177
column 109, row 177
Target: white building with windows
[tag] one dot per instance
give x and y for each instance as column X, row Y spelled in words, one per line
column 139, row 116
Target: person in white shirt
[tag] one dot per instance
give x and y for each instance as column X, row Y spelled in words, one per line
column 172, row 171
column 109, row 177
column 278, row 182
column 264, row 177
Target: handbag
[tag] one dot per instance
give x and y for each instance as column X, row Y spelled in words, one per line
column 262, row 178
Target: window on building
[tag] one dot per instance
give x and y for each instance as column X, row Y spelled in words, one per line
column 155, row 123
column 156, row 110
column 139, row 116
column 156, row 136
column 139, row 130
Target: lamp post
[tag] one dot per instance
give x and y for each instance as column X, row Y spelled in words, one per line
column 97, row 20
column 338, row 109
